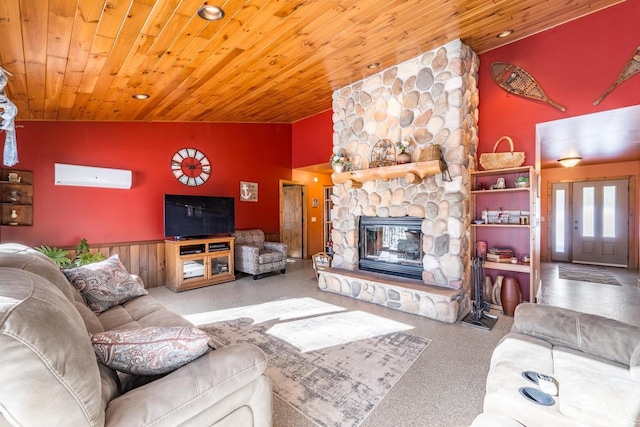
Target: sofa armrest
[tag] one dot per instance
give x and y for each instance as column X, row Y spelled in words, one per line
column 589, row 333
column 276, row 246
column 634, row 365
column 191, row 390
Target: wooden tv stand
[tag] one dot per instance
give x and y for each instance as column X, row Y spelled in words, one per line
column 198, row 262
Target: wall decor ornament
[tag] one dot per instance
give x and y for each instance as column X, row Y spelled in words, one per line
column 631, row 69
column 9, row 112
column 517, row 81
column 248, row 191
column 383, row 154
column 191, row 167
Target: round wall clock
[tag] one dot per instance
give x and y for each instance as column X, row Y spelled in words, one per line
column 191, row 167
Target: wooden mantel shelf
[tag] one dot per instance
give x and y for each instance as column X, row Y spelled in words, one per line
column 413, row 173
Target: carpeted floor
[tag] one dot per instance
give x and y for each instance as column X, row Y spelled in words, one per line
column 586, row 273
column 332, row 386
column 444, row 387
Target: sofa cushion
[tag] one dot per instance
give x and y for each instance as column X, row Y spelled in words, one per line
column 48, row 370
column 141, row 312
column 104, row 284
column 149, row 351
column 634, row 365
column 592, row 334
column 267, row 257
column 594, row 391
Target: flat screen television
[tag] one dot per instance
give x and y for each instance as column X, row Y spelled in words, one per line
column 198, row 216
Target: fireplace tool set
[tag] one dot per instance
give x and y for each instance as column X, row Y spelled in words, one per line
column 479, row 316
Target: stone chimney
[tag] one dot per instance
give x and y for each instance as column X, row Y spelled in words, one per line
column 433, row 99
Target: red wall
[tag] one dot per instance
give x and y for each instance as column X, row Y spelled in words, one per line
column 312, row 140
column 573, row 63
column 63, row 215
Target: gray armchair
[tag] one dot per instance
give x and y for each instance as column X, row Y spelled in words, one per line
column 255, row 256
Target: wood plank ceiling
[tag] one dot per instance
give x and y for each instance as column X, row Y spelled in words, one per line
column 266, row 61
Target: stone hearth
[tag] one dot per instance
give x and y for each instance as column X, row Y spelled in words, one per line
column 432, row 99
column 412, row 296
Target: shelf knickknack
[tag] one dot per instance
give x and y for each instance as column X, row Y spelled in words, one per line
column 383, row 154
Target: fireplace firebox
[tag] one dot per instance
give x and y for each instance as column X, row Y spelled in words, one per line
column 391, row 246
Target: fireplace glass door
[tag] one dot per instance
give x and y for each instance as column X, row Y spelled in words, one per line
column 391, row 246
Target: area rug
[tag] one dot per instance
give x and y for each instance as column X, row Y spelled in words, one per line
column 586, row 273
column 284, row 309
column 333, row 386
column 335, row 329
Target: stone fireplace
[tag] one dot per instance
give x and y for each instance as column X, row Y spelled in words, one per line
column 433, row 100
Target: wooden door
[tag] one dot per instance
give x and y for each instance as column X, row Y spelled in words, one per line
column 292, row 224
column 600, row 222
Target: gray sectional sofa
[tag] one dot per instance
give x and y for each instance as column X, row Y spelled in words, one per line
column 594, row 363
column 50, row 375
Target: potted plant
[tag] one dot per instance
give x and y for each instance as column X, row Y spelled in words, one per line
column 339, row 162
column 61, row 257
column 522, row 181
column 403, row 157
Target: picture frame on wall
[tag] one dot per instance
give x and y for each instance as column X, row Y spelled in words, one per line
column 248, row 191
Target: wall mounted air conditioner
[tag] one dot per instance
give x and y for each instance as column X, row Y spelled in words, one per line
column 88, row 176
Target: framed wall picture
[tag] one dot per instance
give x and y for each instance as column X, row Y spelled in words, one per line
column 248, row 191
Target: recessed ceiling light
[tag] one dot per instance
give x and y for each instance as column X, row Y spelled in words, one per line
column 373, row 65
column 504, row 34
column 140, row 96
column 210, row 13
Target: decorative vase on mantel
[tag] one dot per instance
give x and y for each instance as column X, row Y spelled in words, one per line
column 403, row 157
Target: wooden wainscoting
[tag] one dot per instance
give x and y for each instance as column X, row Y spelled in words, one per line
column 272, row 236
column 144, row 259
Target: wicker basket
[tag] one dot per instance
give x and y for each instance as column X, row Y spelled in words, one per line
column 431, row 152
column 491, row 161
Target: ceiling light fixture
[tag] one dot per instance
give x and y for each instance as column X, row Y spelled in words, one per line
column 373, row 65
column 504, row 34
column 140, row 96
column 210, row 13
column 569, row 162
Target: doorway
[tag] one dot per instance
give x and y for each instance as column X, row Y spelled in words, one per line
column 590, row 222
column 292, row 214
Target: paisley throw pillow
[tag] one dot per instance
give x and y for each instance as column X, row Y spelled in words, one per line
column 149, row 351
column 104, row 284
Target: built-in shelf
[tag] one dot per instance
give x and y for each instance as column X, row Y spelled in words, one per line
column 502, row 225
column 507, row 266
column 504, row 190
column 411, row 172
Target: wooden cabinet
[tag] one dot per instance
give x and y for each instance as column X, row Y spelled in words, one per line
column 512, row 222
column 199, row 262
column 16, row 197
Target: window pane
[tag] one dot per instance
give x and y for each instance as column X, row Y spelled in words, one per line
column 588, row 214
column 609, row 212
column 560, row 219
